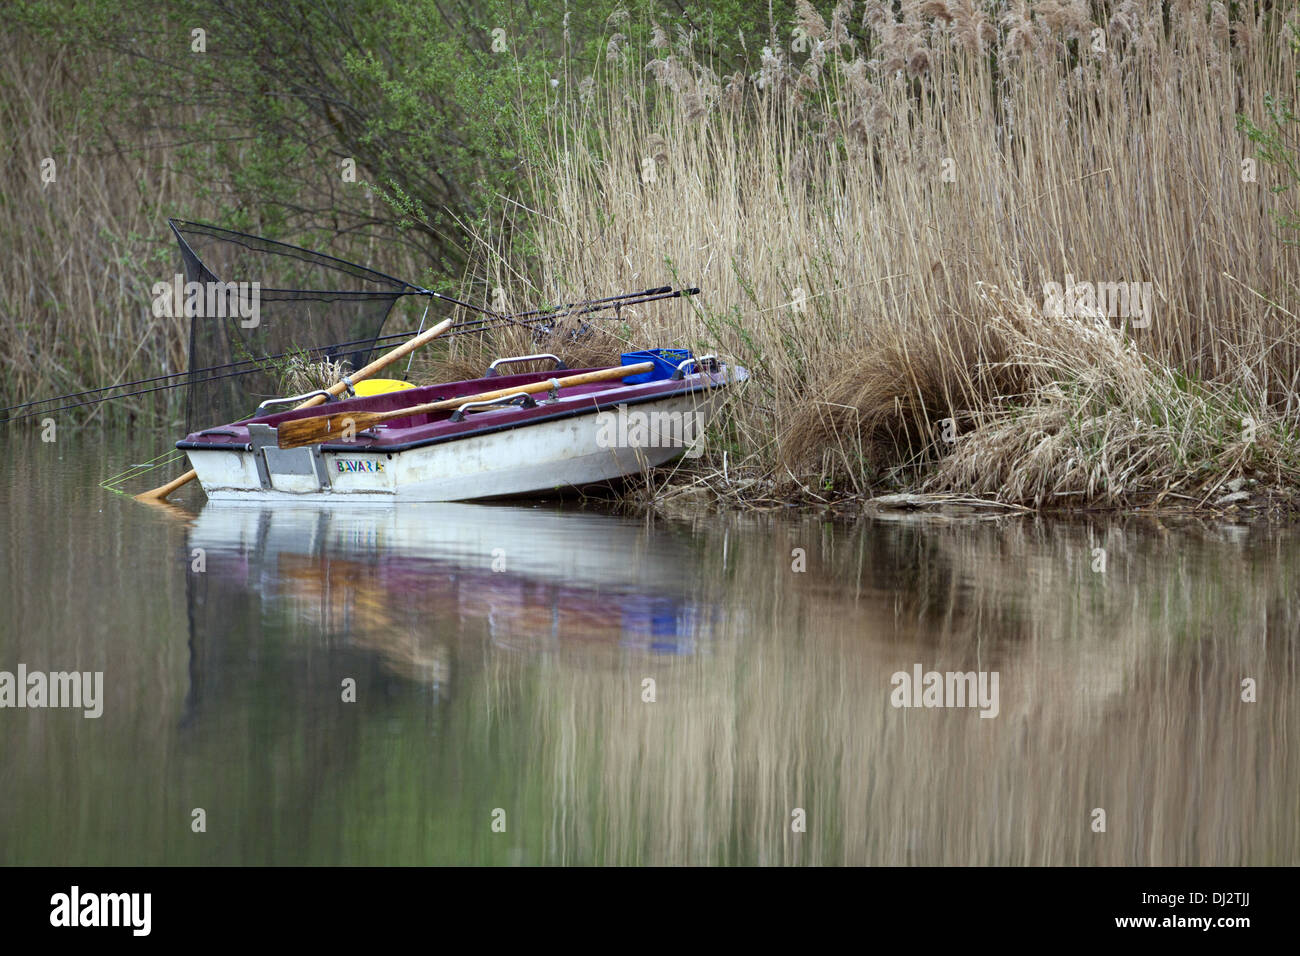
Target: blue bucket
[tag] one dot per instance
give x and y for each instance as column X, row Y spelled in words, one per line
column 666, row 362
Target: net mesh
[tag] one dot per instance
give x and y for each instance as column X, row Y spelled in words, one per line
column 306, row 301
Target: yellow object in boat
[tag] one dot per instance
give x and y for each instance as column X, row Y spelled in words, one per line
column 378, row 386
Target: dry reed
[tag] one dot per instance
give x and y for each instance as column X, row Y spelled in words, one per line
column 875, row 224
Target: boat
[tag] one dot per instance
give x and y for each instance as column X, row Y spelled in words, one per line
column 539, row 432
column 520, row 429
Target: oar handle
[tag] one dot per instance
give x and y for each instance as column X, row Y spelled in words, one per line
column 385, row 360
column 162, row 492
column 338, row 388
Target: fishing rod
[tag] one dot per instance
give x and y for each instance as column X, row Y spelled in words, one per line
column 142, row 391
column 188, row 379
column 667, row 293
column 466, row 305
column 595, row 305
column 611, row 298
column 338, row 346
column 494, row 320
column 542, row 317
column 211, row 368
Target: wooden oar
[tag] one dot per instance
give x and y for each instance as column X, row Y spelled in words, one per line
column 339, row 425
column 337, row 389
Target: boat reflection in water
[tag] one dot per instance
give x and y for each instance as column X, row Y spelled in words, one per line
column 406, row 582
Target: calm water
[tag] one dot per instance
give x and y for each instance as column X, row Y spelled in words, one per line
column 499, row 659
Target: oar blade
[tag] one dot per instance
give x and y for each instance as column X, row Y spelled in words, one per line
column 340, row 426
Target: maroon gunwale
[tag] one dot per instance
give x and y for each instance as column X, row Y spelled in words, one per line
column 427, row 428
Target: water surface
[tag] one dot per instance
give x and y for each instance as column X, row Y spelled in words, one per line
column 500, row 659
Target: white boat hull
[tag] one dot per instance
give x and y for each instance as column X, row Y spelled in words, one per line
column 535, row 458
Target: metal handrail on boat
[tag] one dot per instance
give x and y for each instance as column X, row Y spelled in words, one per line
column 329, row 397
column 527, row 402
column 492, row 369
column 681, row 366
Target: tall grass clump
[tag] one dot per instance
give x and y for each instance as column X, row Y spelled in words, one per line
column 876, row 211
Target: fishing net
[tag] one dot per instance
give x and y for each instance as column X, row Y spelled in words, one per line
column 307, row 304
